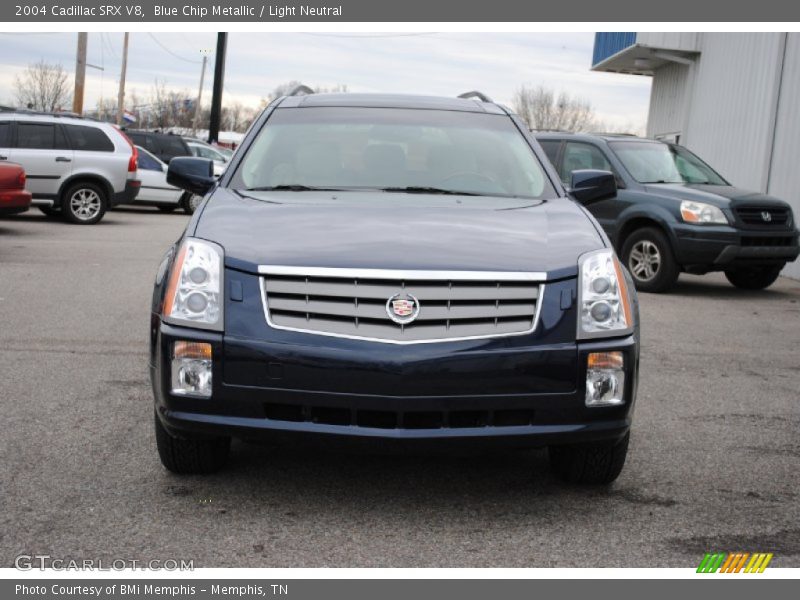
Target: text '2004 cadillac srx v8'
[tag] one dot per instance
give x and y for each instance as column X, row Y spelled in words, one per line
column 393, row 270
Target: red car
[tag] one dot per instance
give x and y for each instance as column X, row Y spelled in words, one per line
column 14, row 198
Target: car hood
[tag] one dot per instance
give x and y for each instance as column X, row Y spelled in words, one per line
column 398, row 231
column 722, row 196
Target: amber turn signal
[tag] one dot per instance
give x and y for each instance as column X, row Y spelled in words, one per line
column 194, row 350
column 605, row 360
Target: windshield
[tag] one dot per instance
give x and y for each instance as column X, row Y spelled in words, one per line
column 663, row 163
column 394, row 150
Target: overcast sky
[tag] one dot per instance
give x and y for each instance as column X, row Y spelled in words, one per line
column 431, row 63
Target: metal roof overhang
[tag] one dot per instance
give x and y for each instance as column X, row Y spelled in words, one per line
column 642, row 60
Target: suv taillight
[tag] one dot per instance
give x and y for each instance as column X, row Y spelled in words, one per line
column 133, row 161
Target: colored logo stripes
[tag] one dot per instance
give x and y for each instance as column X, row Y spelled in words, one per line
column 736, row 562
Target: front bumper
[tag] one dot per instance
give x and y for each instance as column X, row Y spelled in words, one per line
column 543, row 404
column 126, row 196
column 715, row 248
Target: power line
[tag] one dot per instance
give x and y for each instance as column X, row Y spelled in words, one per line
column 168, row 51
column 106, row 37
column 369, row 35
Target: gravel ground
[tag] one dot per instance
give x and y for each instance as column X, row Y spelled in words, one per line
column 713, row 466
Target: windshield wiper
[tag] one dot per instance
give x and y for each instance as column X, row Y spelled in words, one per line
column 418, row 189
column 292, row 187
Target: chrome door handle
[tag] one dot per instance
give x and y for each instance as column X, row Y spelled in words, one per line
column 63, row 159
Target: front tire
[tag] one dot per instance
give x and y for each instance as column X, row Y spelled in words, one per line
column 754, row 278
column 190, row 456
column 84, row 203
column 596, row 463
column 648, row 256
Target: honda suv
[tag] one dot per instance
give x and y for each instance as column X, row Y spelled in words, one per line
column 399, row 270
column 75, row 167
column 674, row 213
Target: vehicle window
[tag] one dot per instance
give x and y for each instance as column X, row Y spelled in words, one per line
column 89, row 138
column 378, row 148
column 578, row 155
column 205, row 152
column 550, row 148
column 147, row 162
column 39, row 136
column 662, row 163
column 5, row 134
column 140, row 139
column 172, row 145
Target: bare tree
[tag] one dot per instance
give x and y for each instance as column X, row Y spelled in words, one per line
column 233, row 115
column 284, row 88
column 170, row 108
column 542, row 109
column 287, row 87
column 43, row 86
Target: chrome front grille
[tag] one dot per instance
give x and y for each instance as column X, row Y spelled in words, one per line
column 356, row 303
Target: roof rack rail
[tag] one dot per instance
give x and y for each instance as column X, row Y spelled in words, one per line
column 304, row 89
column 613, row 133
column 476, row 94
column 43, row 113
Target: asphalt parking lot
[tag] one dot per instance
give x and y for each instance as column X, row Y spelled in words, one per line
column 714, row 460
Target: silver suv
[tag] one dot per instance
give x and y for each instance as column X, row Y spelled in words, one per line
column 77, row 168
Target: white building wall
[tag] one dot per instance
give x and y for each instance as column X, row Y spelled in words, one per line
column 686, row 41
column 733, row 99
column 784, row 175
column 668, row 101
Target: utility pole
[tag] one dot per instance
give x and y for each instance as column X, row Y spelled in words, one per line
column 216, row 97
column 121, row 95
column 199, row 94
column 80, row 74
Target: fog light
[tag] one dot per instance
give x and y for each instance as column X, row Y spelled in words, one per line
column 605, row 379
column 191, row 369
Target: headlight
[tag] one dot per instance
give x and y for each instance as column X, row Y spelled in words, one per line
column 191, row 369
column 701, row 213
column 194, row 294
column 603, row 301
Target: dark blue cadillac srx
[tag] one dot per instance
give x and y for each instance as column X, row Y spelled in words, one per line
column 399, row 270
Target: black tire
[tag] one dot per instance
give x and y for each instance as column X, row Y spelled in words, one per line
column 190, row 456
column 165, row 208
column 597, row 463
column 190, row 202
column 53, row 213
column 84, row 203
column 755, row 277
column 648, row 255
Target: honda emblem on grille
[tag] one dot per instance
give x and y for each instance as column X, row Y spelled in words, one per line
column 402, row 308
column 766, row 216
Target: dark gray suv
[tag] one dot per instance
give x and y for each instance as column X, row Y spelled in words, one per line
column 674, row 213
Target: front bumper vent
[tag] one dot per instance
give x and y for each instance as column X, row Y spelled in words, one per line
column 358, row 304
column 386, row 419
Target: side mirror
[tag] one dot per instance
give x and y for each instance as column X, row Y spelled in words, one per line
column 195, row 175
column 589, row 185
